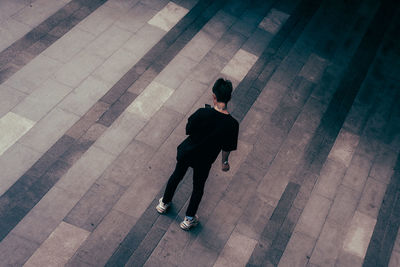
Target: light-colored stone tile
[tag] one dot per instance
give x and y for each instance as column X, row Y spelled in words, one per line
column 128, row 164
column 199, row 46
column 219, row 24
column 85, row 96
column 10, row 7
column 371, row 198
column 396, row 246
column 208, row 69
column 183, row 98
column 165, row 158
column 117, row 137
column 42, row 100
column 159, row 127
column 10, row 31
column 55, row 205
column 121, row 5
column 81, row 176
column 394, row 259
column 12, row 128
column 273, row 21
column 141, row 192
column 36, row 227
column 344, row 147
column 298, row 251
column 9, row 98
column 150, row 100
column 33, row 74
column 38, row 11
column 108, row 42
column 167, row 17
column 59, row 247
column 237, row 251
column 347, row 259
column 48, row 130
column 65, row 48
column 78, row 69
column 136, row 17
column 144, row 39
column 359, row 234
column 99, row 20
column 357, row 173
column 328, row 245
column 176, row 72
column 155, row 4
column 314, row 215
column 344, row 205
column 116, row 66
column 14, row 163
column 239, row 65
column 330, row 178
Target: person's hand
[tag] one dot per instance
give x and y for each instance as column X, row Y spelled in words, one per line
column 225, row 166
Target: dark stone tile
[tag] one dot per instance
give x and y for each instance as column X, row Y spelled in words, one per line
column 71, row 7
column 229, row 43
column 7, row 71
column 41, row 166
column 259, row 255
column 42, row 44
column 64, row 26
column 80, row 13
column 116, row 109
column 93, row 133
column 247, row 23
column 55, row 172
column 15, row 250
column 36, row 33
column 76, row 151
column 22, row 58
column 145, row 79
column 61, row 146
column 290, row 221
column 143, row 252
column 120, row 257
column 285, row 203
column 83, row 124
column 236, row 7
column 120, row 87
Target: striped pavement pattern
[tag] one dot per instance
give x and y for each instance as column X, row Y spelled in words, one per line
column 94, row 98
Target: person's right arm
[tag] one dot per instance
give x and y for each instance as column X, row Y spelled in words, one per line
column 225, row 163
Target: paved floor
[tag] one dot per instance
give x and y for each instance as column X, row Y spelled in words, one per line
column 94, row 98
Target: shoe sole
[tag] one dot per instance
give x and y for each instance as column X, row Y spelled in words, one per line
column 183, row 227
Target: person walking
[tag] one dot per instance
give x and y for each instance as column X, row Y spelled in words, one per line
column 209, row 131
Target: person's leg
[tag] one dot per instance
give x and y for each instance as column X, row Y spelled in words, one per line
column 200, row 175
column 174, row 180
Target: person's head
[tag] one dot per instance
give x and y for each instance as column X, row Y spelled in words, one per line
column 222, row 90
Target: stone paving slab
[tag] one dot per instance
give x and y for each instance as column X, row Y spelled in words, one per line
column 113, row 163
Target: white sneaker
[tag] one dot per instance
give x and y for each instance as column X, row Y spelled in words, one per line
column 162, row 207
column 187, row 224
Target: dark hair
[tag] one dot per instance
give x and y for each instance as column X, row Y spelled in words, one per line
column 222, row 89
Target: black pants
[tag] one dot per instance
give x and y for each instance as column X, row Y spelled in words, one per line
column 200, row 174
